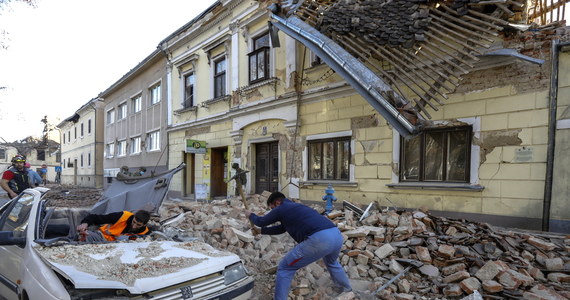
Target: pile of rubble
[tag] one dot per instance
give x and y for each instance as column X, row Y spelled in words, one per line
column 72, row 196
column 453, row 258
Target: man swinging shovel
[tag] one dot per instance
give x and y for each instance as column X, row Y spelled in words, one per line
column 241, row 180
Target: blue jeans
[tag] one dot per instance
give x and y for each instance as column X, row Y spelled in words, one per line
column 324, row 244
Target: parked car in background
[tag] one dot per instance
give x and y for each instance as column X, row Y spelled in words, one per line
column 40, row 259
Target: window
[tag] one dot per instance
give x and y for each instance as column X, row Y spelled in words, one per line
column 189, row 81
column 122, row 111
column 155, row 94
column 153, row 141
column 259, row 59
column 329, row 159
column 89, row 126
column 75, row 132
column 439, row 155
column 64, row 138
column 220, row 78
column 41, row 154
column 89, row 159
column 3, row 153
column 136, row 145
column 122, row 148
column 136, row 103
column 110, row 116
column 110, row 150
column 69, row 136
column 81, row 131
column 81, row 160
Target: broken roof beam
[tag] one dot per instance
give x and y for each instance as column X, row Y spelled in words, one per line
column 364, row 81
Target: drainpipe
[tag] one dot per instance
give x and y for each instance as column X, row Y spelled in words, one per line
column 553, row 103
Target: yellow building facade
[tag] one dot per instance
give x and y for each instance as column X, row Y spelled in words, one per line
column 297, row 127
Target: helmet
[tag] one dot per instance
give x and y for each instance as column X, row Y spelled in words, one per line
column 19, row 158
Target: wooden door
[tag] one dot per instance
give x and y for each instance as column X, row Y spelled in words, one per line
column 218, row 168
column 189, row 174
column 267, row 167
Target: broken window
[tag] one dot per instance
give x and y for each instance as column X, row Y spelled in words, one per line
column 259, row 59
column 329, row 159
column 189, row 81
column 220, row 78
column 438, row 155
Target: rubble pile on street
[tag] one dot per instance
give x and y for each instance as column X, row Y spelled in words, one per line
column 69, row 196
column 457, row 257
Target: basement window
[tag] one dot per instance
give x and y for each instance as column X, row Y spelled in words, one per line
column 440, row 155
column 329, row 159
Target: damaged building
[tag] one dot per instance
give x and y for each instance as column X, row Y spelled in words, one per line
column 402, row 103
column 458, row 107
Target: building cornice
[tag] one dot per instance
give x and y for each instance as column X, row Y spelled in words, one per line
column 340, row 89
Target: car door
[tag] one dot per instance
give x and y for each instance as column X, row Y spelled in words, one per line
column 15, row 219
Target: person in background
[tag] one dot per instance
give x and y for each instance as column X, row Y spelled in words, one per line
column 316, row 235
column 16, row 179
column 114, row 226
column 43, row 174
column 35, row 178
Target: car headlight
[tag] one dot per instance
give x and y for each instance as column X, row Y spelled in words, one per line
column 234, row 273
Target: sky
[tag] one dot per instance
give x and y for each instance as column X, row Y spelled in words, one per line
column 62, row 53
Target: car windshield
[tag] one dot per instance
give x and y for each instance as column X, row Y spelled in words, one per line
column 17, row 218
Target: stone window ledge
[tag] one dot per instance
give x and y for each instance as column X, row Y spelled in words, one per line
column 327, row 182
column 183, row 110
column 437, row 186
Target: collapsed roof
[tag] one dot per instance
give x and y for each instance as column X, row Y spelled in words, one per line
column 403, row 56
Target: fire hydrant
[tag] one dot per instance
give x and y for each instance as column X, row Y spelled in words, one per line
column 329, row 198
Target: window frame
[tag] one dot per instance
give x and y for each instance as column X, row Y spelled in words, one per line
column 336, row 170
column 110, row 150
column 122, row 111
column 110, row 116
column 265, row 52
column 122, row 148
column 187, row 103
column 135, row 143
column 220, row 87
column 468, row 132
column 155, row 97
column 136, row 103
column 153, row 142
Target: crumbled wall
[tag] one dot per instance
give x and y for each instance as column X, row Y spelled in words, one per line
column 489, row 140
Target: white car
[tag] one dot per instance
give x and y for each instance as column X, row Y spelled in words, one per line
column 39, row 261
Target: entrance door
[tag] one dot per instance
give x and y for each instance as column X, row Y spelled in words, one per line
column 189, row 174
column 266, row 167
column 219, row 169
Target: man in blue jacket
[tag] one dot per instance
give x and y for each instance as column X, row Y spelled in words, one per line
column 316, row 235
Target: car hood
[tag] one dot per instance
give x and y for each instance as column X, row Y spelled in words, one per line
column 138, row 267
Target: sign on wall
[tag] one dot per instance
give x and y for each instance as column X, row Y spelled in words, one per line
column 194, row 146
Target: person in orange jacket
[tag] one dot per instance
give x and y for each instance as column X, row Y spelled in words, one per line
column 114, row 226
